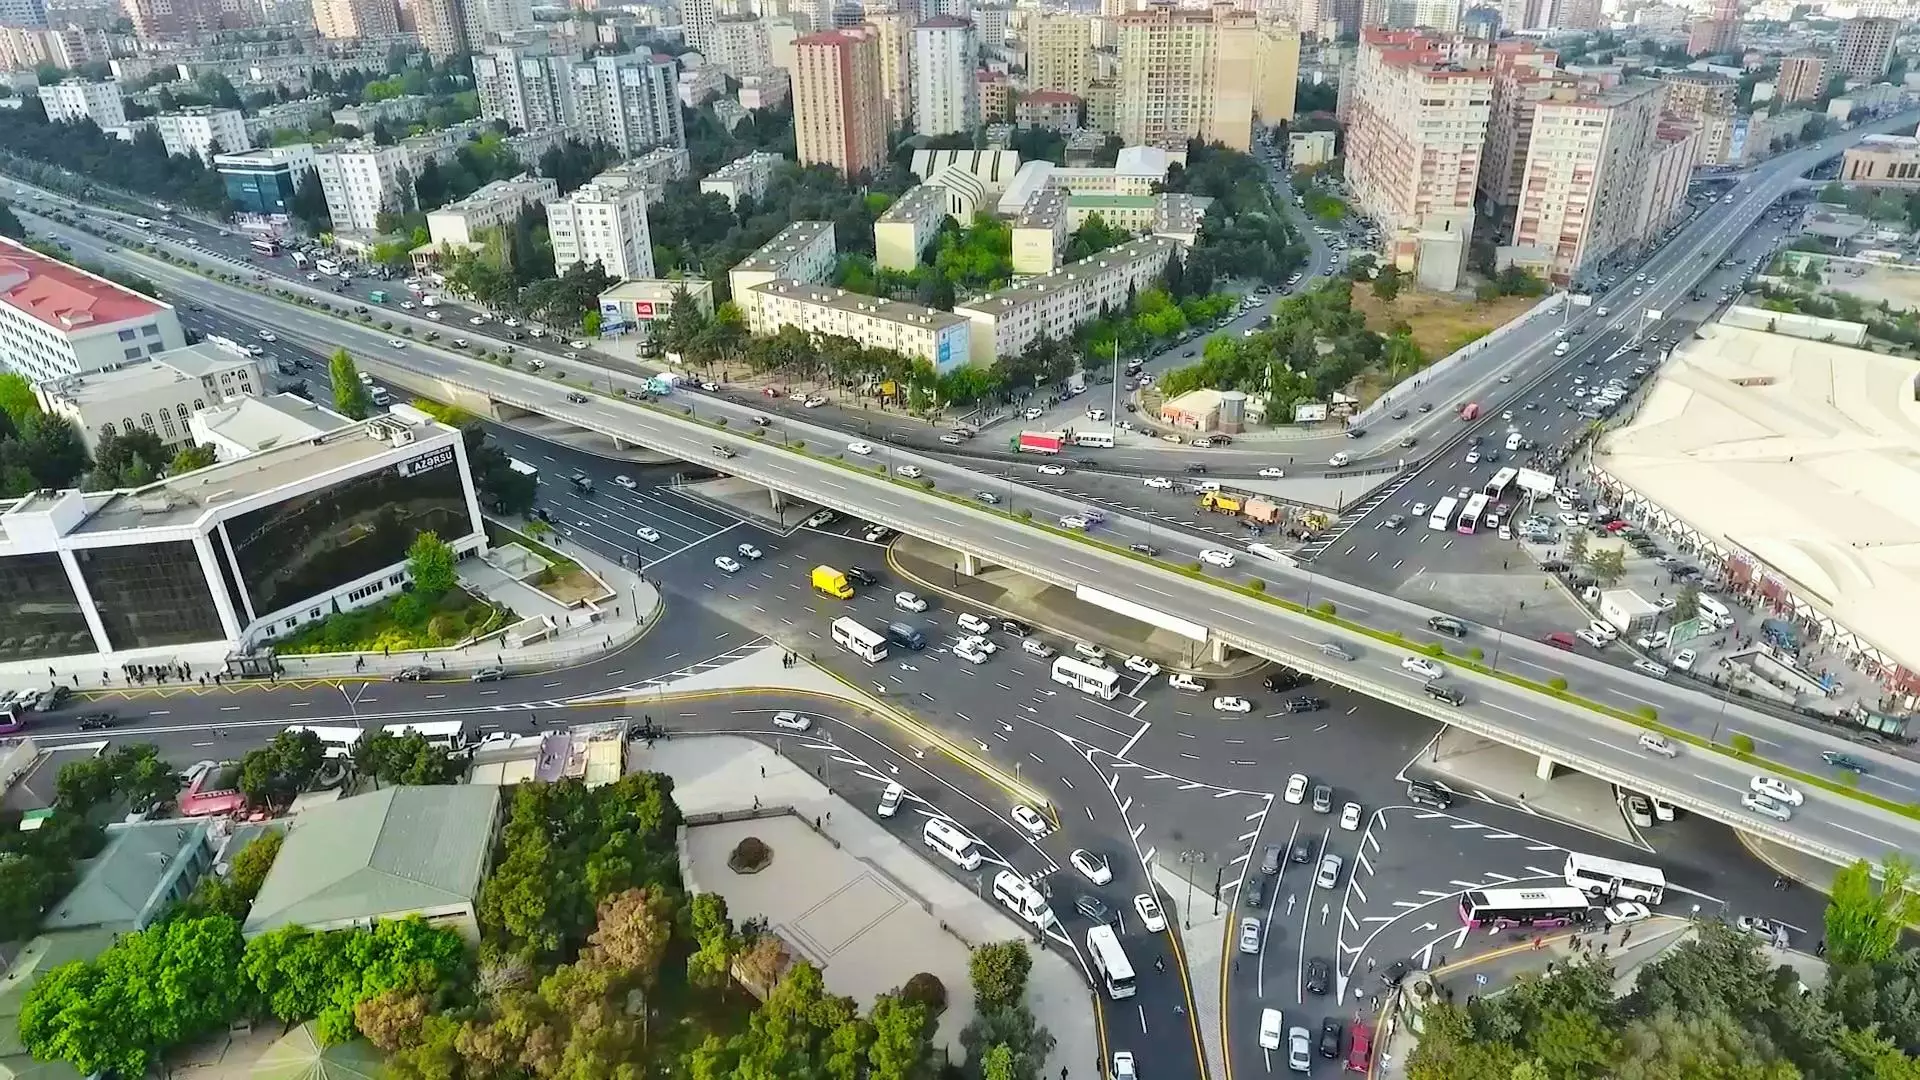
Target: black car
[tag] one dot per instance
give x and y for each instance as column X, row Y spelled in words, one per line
column 490, row 673
column 1395, row 972
column 987, row 497
column 1356, row 432
column 1092, row 907
column 411, row 674
column 1844, row 761
column 861, row 577
column 1399, row 414
column 1254, row 893
column 1317, row 976
column 1331, row 1036
column 1285, row 679
column 1408, row 442
column 94, row 721
column 1195, row 467
column 1015, row 627
column 1447, row 625
column 1556, row 566
column 1305, row 704
column 1143, row 549
column 1426, row 406
column 1302, row 850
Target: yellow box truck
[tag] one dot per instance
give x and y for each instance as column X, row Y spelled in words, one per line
column 1219, row 503
column 832, row 582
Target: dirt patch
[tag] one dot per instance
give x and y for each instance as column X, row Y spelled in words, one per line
column 1441, row 324
column 570, row 585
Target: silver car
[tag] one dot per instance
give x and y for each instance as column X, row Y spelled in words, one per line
column 1250, row 935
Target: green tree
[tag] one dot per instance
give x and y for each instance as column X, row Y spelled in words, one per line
column 84, row 784
column 349, row 393
column 1576, row 546
column 999, row 974
column 1386, row 284
column 10, row 226
column 285, row 767
column 715, row 943
column 430, row 563
column 1864, row 919
column 410, row 759
column 17, row 399
column 1014, row 1029
column 51, row 449
column 1686, row 605
column 633, row 932
column 901, row 1044
column 1608, row 566
column 127, row 459
column 191, row 458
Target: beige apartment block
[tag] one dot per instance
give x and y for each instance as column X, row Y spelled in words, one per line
column 1802, row 77
column 1187, row 74
column 1581, row 191
column 803, row 251
column 1040, row 234
column 938, row 337
column 895, row 30
column 1008, row 322
column 1060, row 52
column 1523, row 76
column 905, row 229
column 1866, row 47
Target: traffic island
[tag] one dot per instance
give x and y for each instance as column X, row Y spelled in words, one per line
column 935, row 569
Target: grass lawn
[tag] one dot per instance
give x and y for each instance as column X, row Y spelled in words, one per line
column 566, row 581
column 407, row 621
column 1441, row 324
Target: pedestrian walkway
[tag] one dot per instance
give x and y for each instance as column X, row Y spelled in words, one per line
column 1203, row 946
column 577, row 633
column 725, row 774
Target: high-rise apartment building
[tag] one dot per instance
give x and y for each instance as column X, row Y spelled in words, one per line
column 158, row 19
column 441, row 25
column 342, row 20
column 738, row 45
column 24, row 14
column 1802, row 77
column 1276, row 72
column 203, row 131
column 1417, row 116
column 1580, row 195
column 487, row 22
column 1718, row 33
column 79, row 99
column 1524, row 74
column 990, row 26
column 1866, row 47
column 603, row 223
column 1705, row 99
column 630, row 102
column 946, row 95
column 697, row 19
column 895, row 31
column 1578, row 15
column 528, row 86
column 839, row 109
column 1187, row 74
column 1059, row 52
column 360, row 180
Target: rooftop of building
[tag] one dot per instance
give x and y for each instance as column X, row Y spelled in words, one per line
column 1699, row 78
column 199, row 110
column 657, row 290
column 917, row 202
column 745, row 164
column 124, row 887
column 262, row 423
column 833, row 39
column 394, row 850
column 796, row 236
column 1801, row 453
column 1890, row 142
column 592, row 754
column 877, row 307
column 181, row 500
column 1050, row 97
column 63, row 296
column 513, row 187
column 1008, row 299
column 1045, row 210
column 152, row 376
column 945, row 22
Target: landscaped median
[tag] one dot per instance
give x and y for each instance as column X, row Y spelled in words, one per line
column 1740, row 747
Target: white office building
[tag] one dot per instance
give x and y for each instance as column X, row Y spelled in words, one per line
column 58, row 320
column 630, row 102
column 248, row 425
column 946, row 90
column 159, row 395
column 203, row 132
column 360, row 180
column 79, row 99
column 747, row 176
column 603, row 223
column 525, row 85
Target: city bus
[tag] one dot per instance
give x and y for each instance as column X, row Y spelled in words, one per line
column 268, row 248
column 1093, row 438
column 1442, row 514
column 1470, row 517
column 1497, row 486
column 338, row 741
column 1103, row 683
column 449, row 735
column 1110, row 960
column 327, row 267
column 860, row 641
column 1536, row 908
column 1607, row 880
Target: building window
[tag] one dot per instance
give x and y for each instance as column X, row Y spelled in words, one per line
column 126, row 335
column 131, row 354
column 38, row 607
column 150, row 595
column 150, row 330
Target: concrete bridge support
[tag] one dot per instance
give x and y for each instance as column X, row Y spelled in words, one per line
column 1546, row 768
column 970, row 565
column 778, row 498
column 1216, row 651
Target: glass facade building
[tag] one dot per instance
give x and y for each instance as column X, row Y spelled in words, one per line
column 40, row 614
column 149, row 595
column 260, row 189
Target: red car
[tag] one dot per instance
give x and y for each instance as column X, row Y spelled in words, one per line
column 1360, row 1052
column 1616, row 525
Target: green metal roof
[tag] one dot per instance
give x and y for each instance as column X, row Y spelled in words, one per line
column 135, row 877
column 1118, row 202
column 298, row 1055
column 388, row 852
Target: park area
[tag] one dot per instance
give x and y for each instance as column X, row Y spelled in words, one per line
column 1440, row 324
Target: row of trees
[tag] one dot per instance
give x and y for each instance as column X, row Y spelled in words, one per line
column 81, row 149
column 1246, row 233
column 1711, row 1007
column 1288, row 363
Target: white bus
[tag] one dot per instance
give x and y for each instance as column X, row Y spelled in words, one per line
column 1470, row 517
column 859, row 640
column 1606, row 880
column 266, row 247
column 947, row 839
column 1442, row 514
column 1110, row 960
column 327, row 267
column 1497, row 486
column 339, row 741
column 523, row 468
column 1103, row 683
column 447, row 734
column 1529, row 907
column 1093, row 438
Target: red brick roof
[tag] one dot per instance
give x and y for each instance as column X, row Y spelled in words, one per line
column 1051, row 97
column 62, row 296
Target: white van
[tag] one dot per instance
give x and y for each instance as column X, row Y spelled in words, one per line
column 1339, row 459
column 1513, row 441
column 1715, row 611
column 958, row 848
column 1022, row 898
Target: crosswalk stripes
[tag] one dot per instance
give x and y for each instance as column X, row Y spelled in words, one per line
column 1353, row 516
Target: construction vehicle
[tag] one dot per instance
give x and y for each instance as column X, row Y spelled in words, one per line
column 831, row 582
column 1221, row 503
column 1262, row 512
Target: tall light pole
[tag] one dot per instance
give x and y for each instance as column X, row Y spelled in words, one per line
column 1189, row 859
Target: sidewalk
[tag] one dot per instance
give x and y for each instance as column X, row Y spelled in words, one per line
column 717, row 774
column 580, row 632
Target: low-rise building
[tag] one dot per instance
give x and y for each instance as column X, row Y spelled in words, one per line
column 263, row 182
column 994, row 91
column 361, row 180
column 396, row 110
column 1007, row 322
column 203, row 131
column 58, row 320
column 494, row 205
column 1040, row 234
column 636, row 304
column 145, row 869
column 938, row 337
column 803, row 251
column 746, row 176
column 905, row 228
column 1137, row 170
column 699, row 84
column 1309, row 148
column 297, row 115
column 249, row 425
column 81, row 99
column 1176, row 215
column 1892, row 160
column 1048, row 110
column 159, row 395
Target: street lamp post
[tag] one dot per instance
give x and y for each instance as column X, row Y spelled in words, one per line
column 1189, row 859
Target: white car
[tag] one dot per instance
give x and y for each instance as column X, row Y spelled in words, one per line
column 1180, row 680
column 727, row 564
column 890, row 800
column 396, row 343
column 1473, row 457
column 1508, row 415
column 1090, row 652
column 911, row 472
column 1216, row 557
column 1270, row 1029
column 435, row 316
column 1777, row 789
column 477, row 320
column 268, row 335
column 626, row 482
column 1587, row 635
column 1423, row 667
column 813, row 402
column 1271, row 473
column 1030, row 819
column 1655, row 743
column 1052, row 470
column 1622, row 912
column 1123, row 1065
column 1232, row 705
column 650, row 535
column 1159, row 483
column 1657, row 670
column 859, row 448
column 969, row 649
column 1603, row 629
column 791, row 721
column 1250, row 935
column 1418, row 509
column 1329, row 874
column 576, row 344
column 1600, row 311
column 1074, row 521
column 748, row 551
column 977, row 641
column 1296, row 788
column 1683, row 660
column 973, row 624
column 1760, row 804
column 1151, row 916
column 1299, row 1050
column 1140, row 665
column 1091, row 866
column 1350, row 817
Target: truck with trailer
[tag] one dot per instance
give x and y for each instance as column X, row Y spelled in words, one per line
column 1041, row 442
